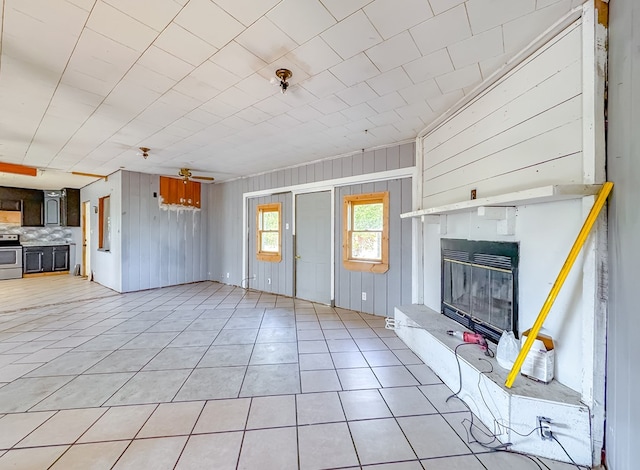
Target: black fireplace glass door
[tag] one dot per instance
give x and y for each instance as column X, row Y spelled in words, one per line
column 491, row 294
column 457, row 285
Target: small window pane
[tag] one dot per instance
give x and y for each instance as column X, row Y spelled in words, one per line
column 367, row 217
column 366, row 245
column 270, row 242
column 269, row 221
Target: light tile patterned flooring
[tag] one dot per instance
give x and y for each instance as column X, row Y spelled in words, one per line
column 208, row 376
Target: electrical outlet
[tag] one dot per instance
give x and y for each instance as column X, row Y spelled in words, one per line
column 544, row 425
column 269, row 280
column 227, row 275
column 364, row 296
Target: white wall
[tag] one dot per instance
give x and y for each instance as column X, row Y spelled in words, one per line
column 523, row 132
column 623, row 166
column 106, row 265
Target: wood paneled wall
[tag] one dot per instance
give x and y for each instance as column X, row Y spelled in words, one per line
column 523, row 132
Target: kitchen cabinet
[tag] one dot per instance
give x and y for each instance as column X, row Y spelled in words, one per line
column 70, row 207
column 31, row 201
column 45, row 259
column 52, row 208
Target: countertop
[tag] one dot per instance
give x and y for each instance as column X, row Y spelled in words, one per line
column 37, row 243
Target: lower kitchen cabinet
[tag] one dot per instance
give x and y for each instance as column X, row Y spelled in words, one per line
column 44, row 259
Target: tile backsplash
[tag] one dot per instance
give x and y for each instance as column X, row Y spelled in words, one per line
column 62, row 235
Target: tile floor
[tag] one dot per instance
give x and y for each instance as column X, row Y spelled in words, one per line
column 208, row 376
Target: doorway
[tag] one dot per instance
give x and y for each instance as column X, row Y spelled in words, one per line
column 86, row 233
column 313, row 247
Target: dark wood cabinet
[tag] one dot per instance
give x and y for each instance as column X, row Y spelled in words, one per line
column 45, row 259
column 30, row 201
column 70, row 207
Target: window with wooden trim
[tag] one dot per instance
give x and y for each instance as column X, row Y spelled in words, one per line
column 104, row 223
column 365, row 232
column 269, row 232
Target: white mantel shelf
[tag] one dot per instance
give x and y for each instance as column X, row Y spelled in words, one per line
column 556, row 192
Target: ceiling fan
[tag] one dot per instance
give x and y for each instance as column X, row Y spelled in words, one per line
column 186, row 175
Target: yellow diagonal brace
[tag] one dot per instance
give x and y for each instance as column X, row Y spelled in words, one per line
column 564, row 272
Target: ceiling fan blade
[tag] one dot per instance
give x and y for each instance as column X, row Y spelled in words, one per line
column 205, row 178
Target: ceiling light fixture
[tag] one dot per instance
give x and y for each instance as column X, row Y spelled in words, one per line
column 185, row 174
column 283, row 75
column 145, row 152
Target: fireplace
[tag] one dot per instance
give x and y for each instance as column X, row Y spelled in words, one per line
column 480, row 285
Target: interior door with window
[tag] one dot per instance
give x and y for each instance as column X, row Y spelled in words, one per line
column 313, row 247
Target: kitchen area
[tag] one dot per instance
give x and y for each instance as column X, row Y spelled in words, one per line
column 39, row 231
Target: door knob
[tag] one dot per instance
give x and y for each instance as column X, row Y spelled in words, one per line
column 298, row 256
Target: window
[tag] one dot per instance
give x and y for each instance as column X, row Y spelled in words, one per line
column 365, row 232
column 104, row 223
column 268, row 228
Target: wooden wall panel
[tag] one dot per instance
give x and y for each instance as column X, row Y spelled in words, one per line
column 531, row 119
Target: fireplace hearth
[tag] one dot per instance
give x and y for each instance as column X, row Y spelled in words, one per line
column 480, row 285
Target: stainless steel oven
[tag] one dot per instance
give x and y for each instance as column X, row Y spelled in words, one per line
column 10, row 256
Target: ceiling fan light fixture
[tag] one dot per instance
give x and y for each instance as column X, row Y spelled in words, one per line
column 284, row 75
column 185, row 174
column 145, row 152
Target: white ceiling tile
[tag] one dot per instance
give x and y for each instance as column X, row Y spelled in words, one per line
column 387, row 102
column 205, row 117
column 352, row 35
column 305, row 113
column 385, row 132
column 86, row 5
column 155, row 13
column 489, row 66
column 234, row 122
column 181, row 43
column 131, row 99
column 336, row 119
column 382, row 119
column 218, row 108
column 195, row 88
column 459, row 79
column 520, row 32
column 357, row 94
column 478, row 47
column 266, row 40
column 298, row 96
column 114, row 24
column 390, row 17
column 442, row 30
column 253, row 115
column 301, row 19
column 236, row 59
column 438, row 6
column 323, row 84
column 394, row 52
column 314, row 56
column 340, row 9
column 420, row 91
column 274, row 105
column 208, row 21
column 389, row 81
column 284, row 121
column 429, row 66
column 355, row 70
column 235, row 97
column 485, row 15
column 164, row 63
column 361, row 126
column 361, row 111
column 215, row 75
column 258, row 87
column 415, row 109
column 247, row 11
column 142, row 75
column 134, row 132
column 441, row 103
column 330, row 104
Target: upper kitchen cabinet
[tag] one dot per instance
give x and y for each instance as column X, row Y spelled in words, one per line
column 52, row 212
column 71, row 207
column 31, row 201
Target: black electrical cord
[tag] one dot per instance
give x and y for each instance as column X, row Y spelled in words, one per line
column 567, row 453
column 497, row 448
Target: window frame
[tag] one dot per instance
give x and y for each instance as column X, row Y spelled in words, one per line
column 348, row 261
column 268, row 256
column 104, row 233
